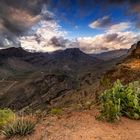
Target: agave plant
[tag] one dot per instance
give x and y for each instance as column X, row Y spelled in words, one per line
column 20, row 127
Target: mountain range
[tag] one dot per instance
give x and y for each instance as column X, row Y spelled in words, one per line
column 35, row 80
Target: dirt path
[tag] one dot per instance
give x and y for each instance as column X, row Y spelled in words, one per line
column 84, row 126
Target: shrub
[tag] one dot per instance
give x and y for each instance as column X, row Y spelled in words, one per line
column 121, row 100
column 6, row 116
column 105, row 82
column 19, row 127
column 56, row 111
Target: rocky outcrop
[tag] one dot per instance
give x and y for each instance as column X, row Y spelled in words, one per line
column 37, row 91
column 135, row 50
column 129, row 69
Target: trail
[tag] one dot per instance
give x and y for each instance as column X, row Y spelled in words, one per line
column 84, row 126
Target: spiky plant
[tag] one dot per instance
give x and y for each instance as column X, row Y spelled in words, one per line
column 19, row 127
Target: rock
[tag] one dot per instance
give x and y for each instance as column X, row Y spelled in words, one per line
column 135, row 50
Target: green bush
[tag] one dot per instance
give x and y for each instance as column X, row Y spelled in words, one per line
column 56, row 111
column 121, row 100
column 105, row 82
column 6, row 116
column 19, row 127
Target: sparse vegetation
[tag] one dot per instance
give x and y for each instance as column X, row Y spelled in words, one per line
column 6, row 116
column 19, row 127
column 121, row 100
column 56, row 111
column 105, row 82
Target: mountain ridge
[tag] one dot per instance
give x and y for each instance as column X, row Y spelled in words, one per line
column 129, row 69
column 42, row 80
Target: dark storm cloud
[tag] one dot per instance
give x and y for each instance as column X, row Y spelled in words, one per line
column 114, row 37
column 16, row 17
column 111, row 37
column 59, row 42
column 31, row 8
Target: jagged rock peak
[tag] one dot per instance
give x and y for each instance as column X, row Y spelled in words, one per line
column 135, row 50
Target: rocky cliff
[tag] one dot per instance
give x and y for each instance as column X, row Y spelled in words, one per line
column 129, row 69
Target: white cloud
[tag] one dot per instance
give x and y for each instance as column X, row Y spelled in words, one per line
column 116, row 36
column 101, row 22
column 107, row 41
column 40, row 35
column 107, row 24
column 48, row 36
column 122, row 26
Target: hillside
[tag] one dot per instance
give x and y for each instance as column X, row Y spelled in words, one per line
column 19, row 61
column 63, row 99
column 129, row 69
column 109, row 55
column 60, row 79
column 43, row 80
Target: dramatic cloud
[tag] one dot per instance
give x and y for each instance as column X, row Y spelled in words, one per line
column 49, row 36
column 16, row 17
column 105, row 42
column 30, row 23
column 44, row 36
column 107, row 23
column 101, row 23
column 58, row 42
column 122, row 26
column 116, row 36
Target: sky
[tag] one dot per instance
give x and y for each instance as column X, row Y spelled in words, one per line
column 94, row 26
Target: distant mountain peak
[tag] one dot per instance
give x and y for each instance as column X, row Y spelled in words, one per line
column 68, row 50
column 13, row 52
column 73, row 49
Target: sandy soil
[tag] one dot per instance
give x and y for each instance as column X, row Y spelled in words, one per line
column 84, row 126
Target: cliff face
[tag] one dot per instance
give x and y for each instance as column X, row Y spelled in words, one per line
column 129, row 69
column 135, row 50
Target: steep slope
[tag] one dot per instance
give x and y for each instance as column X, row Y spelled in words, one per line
column 111, row 54
column 129, row 69
column 36, row 79
column 42, row 80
